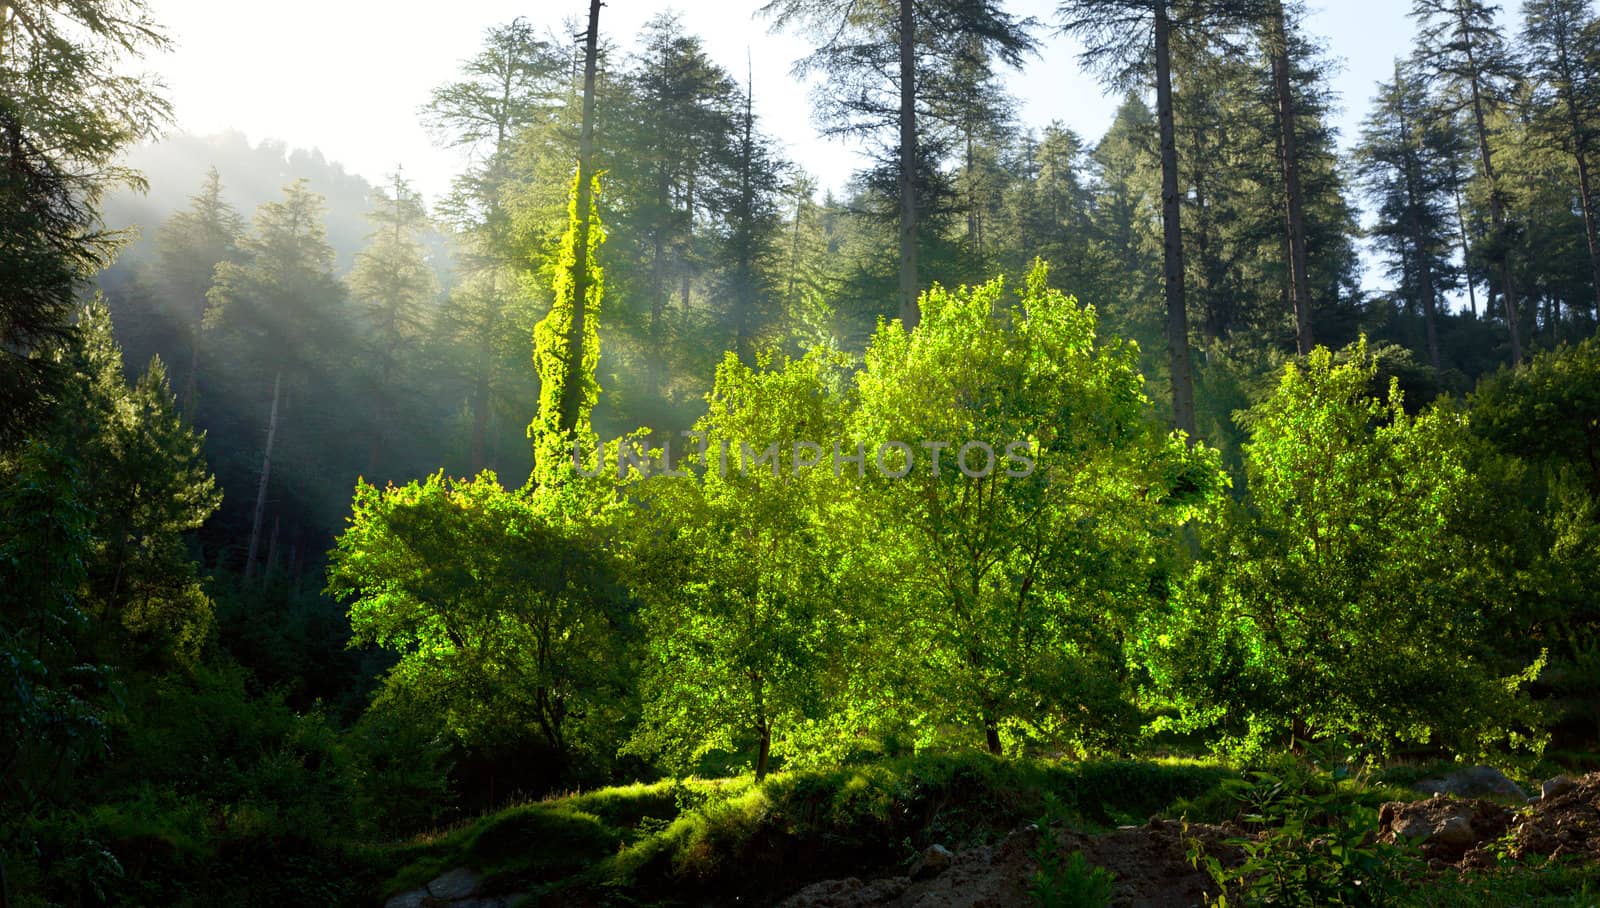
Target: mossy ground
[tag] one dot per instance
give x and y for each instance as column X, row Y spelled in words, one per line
column 732, row 841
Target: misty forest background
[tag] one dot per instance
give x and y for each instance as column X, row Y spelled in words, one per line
column 1277, row 508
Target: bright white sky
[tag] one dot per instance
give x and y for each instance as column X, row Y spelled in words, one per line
column 347, row 76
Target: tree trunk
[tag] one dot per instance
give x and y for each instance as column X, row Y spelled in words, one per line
column 572, row 388
column 744, row 342
column 763, row 749
column 194, row 367
column 1497, row 215
column 1466, row 252
column 480, row 421
column 1183, row 415
column 991, row 735
column 1294, row 208
column 688, row 241
column 272, row 550
column 1425, row 281
column 1591, row 231
column 910, row 315
column 266, row 476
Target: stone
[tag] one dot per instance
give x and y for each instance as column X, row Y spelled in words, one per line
column 1556, row 787
column 455, row 884
column 1455, row 831
column 1474, row 782
column 935, row 860
column 413, row 899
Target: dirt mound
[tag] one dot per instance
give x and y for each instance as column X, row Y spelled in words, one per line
column 1566, row 825
column 1446, row 828
column 1150, row 862
column 1563, row 824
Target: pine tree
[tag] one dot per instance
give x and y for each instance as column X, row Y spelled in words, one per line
column 68, row 110
column 190, row 246
column 1120, row 37
column 391, row 284
column 280, row 315
column 515, row 84
column 1276, row 39
column 1561, row 49
column 1460, row 49
column 1404, row 162
column 884, row 62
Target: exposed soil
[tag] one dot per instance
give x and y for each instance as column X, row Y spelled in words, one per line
column 1150, row 862
column 1565, row 824
column 1153, row 871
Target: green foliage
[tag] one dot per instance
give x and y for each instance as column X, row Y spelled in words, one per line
column 501, row 605
column 1345, row 599
column 70, row 108
column 1070, row 881
column 1020, row 584
column 566, row 343
column 744, row 623
column 1314, row 848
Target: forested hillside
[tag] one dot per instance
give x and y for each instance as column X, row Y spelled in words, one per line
column 640, row 511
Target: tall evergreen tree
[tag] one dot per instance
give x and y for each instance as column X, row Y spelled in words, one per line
column 191, row 244
column 516, row 82
column 884, row 61
column 1461, row 50
column 391, row 284
column 67, row 111
column 279, row 316
column 1561, row 52
column 1404, row 162
column 1277, row 31
column 1120, row 38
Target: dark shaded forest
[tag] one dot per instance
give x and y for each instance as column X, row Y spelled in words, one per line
column 638, row 514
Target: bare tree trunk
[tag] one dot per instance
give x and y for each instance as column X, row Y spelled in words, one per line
column 794, row 267
column 688, row 241
column 991, row 735
column 1425, row 273
column 266, row 477
column 1295, row 216
column 1466, row 252
column 272, row 550
column 1177, row 314
column 480, row 421
column 194, row 367
column 910, row 315
column 745, row 266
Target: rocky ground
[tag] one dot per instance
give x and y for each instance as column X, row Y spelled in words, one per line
column 1473, row 821
column 1562, row 823
column 1151, row 861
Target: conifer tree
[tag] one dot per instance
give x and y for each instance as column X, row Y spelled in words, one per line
column 68, row 110
column 191, row 244
column 883, row 61
column 1404, row 162
column 391, row 284
column 1461, row 50
column 1561, row 47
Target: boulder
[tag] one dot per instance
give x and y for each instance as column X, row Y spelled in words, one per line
column 455, row 884
column 1474, row 782
column 1556, row 787
column 1445, row 828
column 934, row 861
column 416, row 898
